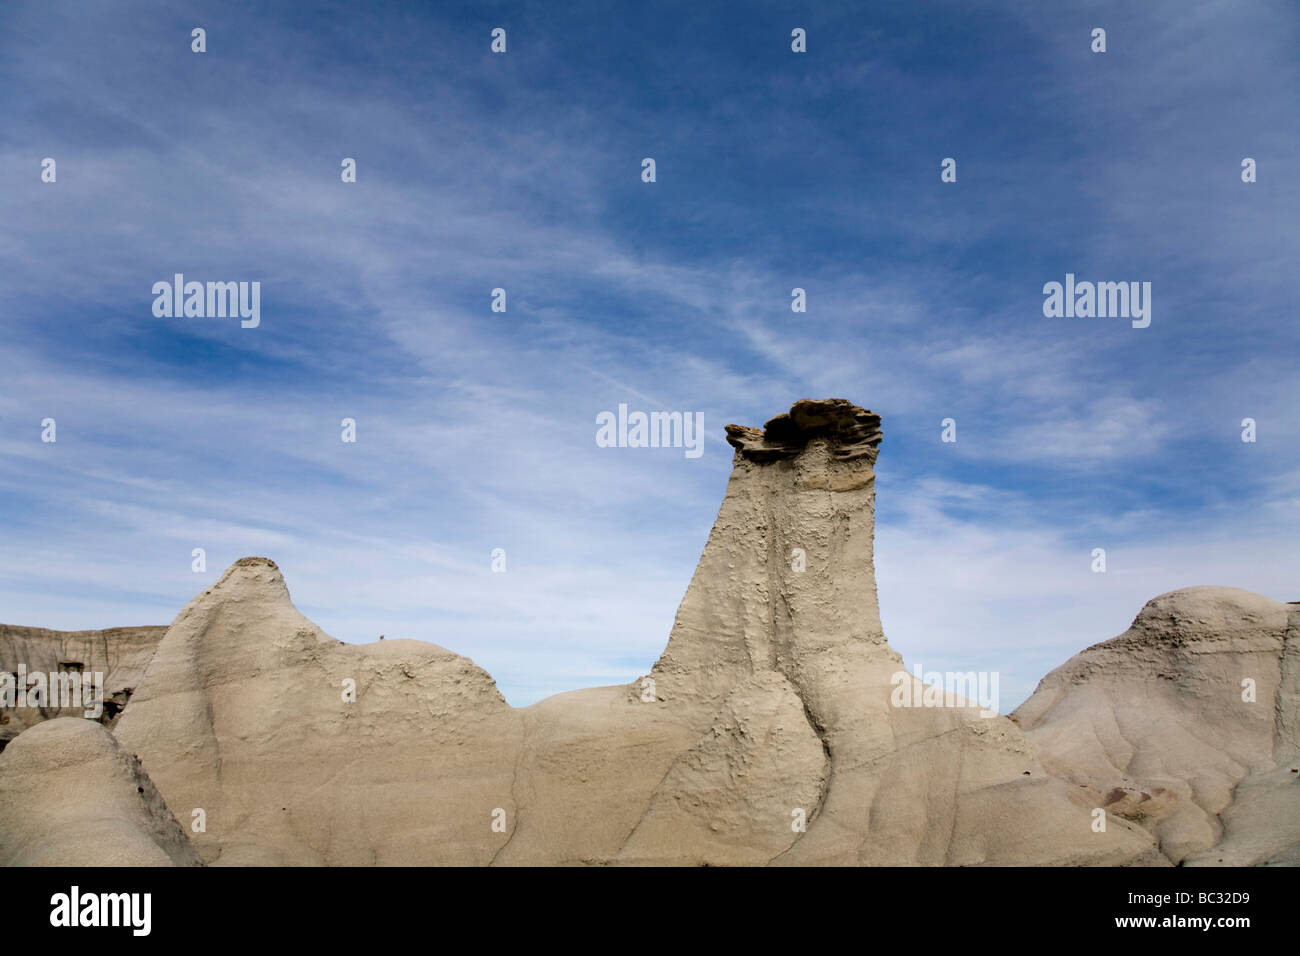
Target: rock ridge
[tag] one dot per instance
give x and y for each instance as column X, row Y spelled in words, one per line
column 768, row 732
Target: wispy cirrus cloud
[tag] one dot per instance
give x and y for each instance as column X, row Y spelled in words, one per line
column 476, row 429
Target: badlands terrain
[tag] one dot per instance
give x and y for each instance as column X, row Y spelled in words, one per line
column 766, row 733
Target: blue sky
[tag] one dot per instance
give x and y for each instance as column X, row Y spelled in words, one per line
column 775, row 170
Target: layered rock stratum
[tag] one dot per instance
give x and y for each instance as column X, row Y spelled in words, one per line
column 768, row 732
column 120, row 654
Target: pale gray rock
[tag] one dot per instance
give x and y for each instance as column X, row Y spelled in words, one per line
column 1153, row 725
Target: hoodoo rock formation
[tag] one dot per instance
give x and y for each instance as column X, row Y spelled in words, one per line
column 767, row 732
column 785, row 594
